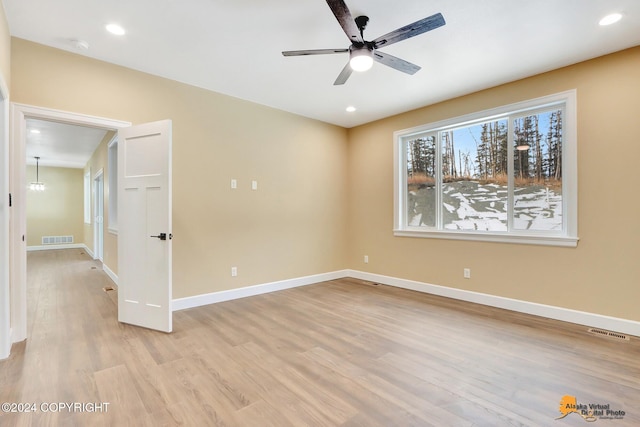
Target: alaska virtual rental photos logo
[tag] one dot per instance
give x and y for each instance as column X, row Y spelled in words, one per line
column 589, row 412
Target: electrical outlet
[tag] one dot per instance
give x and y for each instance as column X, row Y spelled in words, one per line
column 234, row 184
column 467, row 273
column 254, row 185
column 366, row 259
column 234, row 271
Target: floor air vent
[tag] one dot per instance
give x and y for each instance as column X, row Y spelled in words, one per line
column 56, row 240
column 609, row 334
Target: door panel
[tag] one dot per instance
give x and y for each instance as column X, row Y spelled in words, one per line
column 144, row 211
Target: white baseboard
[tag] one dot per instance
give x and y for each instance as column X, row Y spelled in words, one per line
column 89, row 251
column 5, row 347
column 50, row 247
column 113, row 276
column 616, row 324
column 215, row 297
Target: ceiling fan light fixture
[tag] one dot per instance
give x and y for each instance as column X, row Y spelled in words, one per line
column 361, row 59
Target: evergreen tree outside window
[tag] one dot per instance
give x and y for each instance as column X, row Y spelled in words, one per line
column 507, row 174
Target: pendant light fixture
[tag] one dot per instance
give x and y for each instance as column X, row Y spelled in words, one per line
column 37, row 186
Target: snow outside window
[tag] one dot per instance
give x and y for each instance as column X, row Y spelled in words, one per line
column 508, row 174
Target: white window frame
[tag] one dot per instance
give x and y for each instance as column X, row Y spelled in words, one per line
column 112, row 168
column 569, row 234
column 87, row 196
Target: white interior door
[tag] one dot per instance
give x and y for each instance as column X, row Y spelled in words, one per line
column 144, row 225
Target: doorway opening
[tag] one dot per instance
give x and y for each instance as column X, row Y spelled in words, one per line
column 17, row 287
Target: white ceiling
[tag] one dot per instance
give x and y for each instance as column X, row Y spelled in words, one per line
column 61, row 145
column 234, row 47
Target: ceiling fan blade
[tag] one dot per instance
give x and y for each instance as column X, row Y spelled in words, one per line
column 397, row 63
column 313, row 52
column 344, row 75
column 422, row 26
column 342, row 14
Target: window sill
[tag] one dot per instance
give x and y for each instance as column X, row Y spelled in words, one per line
column 524, row 239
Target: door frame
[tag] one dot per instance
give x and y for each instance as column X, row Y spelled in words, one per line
column 5, row 178
column 19, row 113
column 98, row 209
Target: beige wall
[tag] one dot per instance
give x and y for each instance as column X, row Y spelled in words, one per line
column 293, row 226
column 601, row 275
column 5, row 47
column 326, row 196
column 99, row 161
column 57, row 211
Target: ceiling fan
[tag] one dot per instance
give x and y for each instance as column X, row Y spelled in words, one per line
column 362, row 53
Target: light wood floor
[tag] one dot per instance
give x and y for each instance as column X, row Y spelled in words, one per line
column 340, row 353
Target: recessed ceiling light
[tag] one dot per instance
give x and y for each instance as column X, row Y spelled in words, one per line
column 115, row 29
column 351, row 109
column 34, row 131
column 610, row 19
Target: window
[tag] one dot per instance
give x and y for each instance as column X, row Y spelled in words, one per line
column 507, row 174
column 87, row 196
column 113, row 185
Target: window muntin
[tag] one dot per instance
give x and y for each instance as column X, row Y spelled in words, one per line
column 498, row 175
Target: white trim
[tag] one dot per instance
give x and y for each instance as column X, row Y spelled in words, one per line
column 568, row 237
column 55, row 247
column 552, row 312
column 231, row 294
column 529, row 239
column 87, row 196
column 5, row 234
column 98, row 224
column 19, row 115
column 112, row 184
column 113, row 276
column 89, row 251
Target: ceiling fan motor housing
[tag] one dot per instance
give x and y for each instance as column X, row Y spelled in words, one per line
column 361, row 56
column 361, row 22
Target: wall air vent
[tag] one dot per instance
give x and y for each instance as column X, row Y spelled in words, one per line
column 609, row 334
column 56, row 240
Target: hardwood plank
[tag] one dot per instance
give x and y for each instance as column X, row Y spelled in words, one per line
column 339, row 353
column 116, row 387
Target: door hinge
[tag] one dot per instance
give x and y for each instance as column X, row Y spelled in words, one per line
column 9, row 199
